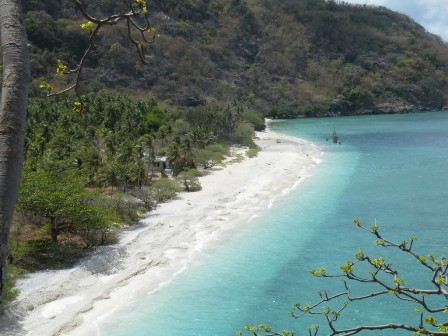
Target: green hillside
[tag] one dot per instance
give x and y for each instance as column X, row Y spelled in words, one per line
column 287, row 58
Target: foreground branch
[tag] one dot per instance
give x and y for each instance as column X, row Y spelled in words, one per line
column 146, row 34
column 387, row 278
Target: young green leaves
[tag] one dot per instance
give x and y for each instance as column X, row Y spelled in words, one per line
column 89, row 26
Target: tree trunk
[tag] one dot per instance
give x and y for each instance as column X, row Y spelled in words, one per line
column 13, row 104
column 54, row 228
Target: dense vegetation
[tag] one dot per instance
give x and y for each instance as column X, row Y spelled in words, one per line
column 86, row 174
column 287, row 58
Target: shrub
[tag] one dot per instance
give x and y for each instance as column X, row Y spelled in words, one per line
column 256, row 119
column 189, row 180
column 125, row 207
column 219, row 148
column 253, row 152
column 165, row 189
column 195, row 172
column 207, row 158
column 244, row 134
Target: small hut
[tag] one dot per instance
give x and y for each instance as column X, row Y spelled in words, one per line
column 162, row 162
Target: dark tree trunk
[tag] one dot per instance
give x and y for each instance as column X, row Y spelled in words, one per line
column 54, row 229
column 13, row 103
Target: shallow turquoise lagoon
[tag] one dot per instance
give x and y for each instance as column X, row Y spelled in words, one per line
column 388, row 169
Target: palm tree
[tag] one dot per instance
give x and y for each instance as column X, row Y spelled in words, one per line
column 147, row 144
column 181, row 155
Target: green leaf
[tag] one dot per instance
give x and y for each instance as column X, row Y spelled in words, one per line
column 318, row 273
column 360, row 254
column 61, row 69
column 348, row 267
column 430, row 320
column 442, row 280
column 378, row 262
column 89, row 25
column 357, row 222
column 398, row 281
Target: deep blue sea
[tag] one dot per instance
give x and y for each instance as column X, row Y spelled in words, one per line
column 391, row 170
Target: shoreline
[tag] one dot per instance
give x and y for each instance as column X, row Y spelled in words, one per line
column 162, row 245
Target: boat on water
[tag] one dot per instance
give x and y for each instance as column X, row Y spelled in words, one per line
column 334, row 136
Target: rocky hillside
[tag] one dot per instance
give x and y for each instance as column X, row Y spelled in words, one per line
column 288, row 58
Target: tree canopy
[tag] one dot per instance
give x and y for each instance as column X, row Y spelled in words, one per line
column 61, row 198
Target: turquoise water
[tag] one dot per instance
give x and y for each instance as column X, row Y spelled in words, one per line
column 388, row 169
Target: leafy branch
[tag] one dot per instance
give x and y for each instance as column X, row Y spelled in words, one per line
column 387, row 277
column 139, row 32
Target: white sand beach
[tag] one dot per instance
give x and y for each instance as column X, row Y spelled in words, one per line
column 166, row 242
